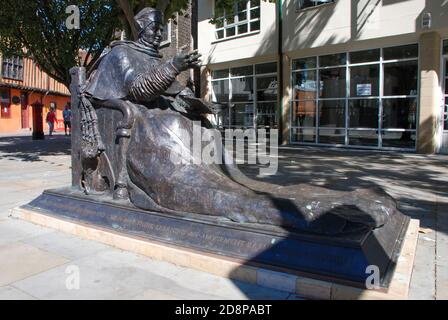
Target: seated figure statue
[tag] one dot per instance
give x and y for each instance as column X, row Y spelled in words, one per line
column 134, row 76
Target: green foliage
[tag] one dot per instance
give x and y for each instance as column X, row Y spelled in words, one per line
column 39, row 26
column 36, row 28
column 131, row 7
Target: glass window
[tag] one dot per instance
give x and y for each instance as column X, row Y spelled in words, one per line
column 267, row 88
column 270, row 67
column 242, row 115
column 367, row 138
column 266, row 114
column 220, row 92
column 364, row 81
column 363, row 113
column 253, row 97
column 401, row 78
column 333, row 83
column 219, row 34
column 4, row 95
column 242, row 89
column 304, row 113
column 445, row 47
column 241, row 71
column 244, row 16
column 333, row 60
column 402, row 52
column 332, row 113
column 218, row 74
column 230, row 31
column 166, row 34
column 368, row 114
column 255, row 26
column 445, row 116
column 332, row 136
column 365, row 56
column 307, row 135
column 394, row 139
column 242, row 28
column 12, row 68
column 304, row 85
column 222, row 118
column 5, row 103
column 306, row 63
column 303, row 4
column 400, row 113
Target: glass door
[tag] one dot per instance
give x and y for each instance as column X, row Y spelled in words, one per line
column 444, row 148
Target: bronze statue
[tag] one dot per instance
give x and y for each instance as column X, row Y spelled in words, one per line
column 127, row 153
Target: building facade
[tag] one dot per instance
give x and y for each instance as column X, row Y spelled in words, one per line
column 24, row 85
column 353, row 74
column 181, row 33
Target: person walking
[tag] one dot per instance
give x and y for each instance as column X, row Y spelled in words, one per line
column 51, row 119
column 67, row 115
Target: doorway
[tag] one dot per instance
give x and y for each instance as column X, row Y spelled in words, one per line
column 444, row 146
column 24, row 110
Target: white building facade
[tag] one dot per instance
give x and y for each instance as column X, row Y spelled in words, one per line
column 355, row 74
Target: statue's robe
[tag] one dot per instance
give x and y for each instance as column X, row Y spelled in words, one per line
column 157, row 182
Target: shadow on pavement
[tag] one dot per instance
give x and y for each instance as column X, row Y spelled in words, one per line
column 23, row 148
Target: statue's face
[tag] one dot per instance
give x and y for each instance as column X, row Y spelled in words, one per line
column 153, row 34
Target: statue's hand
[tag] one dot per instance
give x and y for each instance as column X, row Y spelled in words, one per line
column 183, row 61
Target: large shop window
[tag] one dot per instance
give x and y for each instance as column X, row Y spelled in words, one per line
column 361, row 99
column 244, row 19
column 12, row 68
column 5, row 103
column 250, row 92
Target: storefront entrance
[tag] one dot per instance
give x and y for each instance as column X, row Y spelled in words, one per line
column 444, row 146
column 249, row 94
column 364, row 99
column 24, row 110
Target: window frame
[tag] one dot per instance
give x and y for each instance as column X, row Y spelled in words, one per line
column 444, row 86
column 16, row 63
column 348, row 98
column 236, row 23
column 168, row 27
column 255, row 103
column 6, row 105
column 299, row 7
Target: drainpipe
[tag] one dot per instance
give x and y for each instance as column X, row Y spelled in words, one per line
column 280, row 67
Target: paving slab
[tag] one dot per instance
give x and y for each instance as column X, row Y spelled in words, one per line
column 115, row 274
column 65, row 245
column 20, row 261
column 11, row 293
column 13, row 230
column 418, row 182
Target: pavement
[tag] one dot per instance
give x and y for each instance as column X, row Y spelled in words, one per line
column 41, row 263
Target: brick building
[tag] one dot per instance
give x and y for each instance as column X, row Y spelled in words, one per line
column 179, row 32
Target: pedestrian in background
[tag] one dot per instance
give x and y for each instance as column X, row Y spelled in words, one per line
column 51, row 119
column 67, row 115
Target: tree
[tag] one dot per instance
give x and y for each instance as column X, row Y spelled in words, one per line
column 36, row 28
